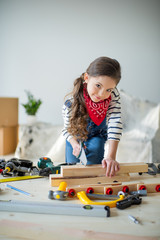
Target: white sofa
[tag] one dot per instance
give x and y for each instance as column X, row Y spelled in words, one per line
column 141, row 130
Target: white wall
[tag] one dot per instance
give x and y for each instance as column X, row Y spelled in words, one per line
column 45, row 45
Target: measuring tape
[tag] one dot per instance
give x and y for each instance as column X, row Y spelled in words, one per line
column 12, row 179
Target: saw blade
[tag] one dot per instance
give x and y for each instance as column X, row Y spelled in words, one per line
column 82, row 157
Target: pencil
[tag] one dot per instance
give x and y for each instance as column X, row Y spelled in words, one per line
column 18, row 190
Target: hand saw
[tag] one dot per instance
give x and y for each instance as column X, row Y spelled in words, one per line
column 82, row 156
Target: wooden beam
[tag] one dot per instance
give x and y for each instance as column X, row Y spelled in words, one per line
column 150, row 187
column 100, row 188
column 97, row 170
column 55, row 180
column 102, row 184
column 116, row 189
column 97, row 188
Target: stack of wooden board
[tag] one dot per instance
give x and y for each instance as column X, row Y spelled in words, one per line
column 95, row 174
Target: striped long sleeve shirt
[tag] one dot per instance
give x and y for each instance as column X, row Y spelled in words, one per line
column 113, row 117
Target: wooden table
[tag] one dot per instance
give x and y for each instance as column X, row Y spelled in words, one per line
column 42, row 226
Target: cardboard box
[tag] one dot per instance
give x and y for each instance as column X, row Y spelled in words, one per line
column 8, row 139
column 8, row 112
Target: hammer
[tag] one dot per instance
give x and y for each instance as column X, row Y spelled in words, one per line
column 60, row 194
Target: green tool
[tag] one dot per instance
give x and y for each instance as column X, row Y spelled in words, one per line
column 47, row 167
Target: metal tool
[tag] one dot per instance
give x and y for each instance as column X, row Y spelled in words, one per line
column 127, row 202
column 85, row 200
column 60, row 194
column 2, row 164
column 103, row 196
column 107, row 208
column 52, row 208
column 139, row 193
column 11, row 167
column 133, row 219
column 82, row 156
column 155, row 169
column 17, row 166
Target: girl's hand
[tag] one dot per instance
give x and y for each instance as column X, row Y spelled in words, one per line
column 111, row 166
column 76, row 147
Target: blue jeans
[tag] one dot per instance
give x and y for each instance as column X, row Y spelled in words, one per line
column 97, row 136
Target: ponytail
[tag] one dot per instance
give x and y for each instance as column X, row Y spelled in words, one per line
column 78, row 90
column 78, row 120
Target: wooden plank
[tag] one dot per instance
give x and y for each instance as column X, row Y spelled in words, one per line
column 55, row 181
column 97, row 170
column 150, row 187
column 102, row 184
column 97, row 188
column 116, row 189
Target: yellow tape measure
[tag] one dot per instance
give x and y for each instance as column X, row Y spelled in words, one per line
column 12, row 179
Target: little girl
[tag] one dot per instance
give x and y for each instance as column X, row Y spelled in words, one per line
column 92, row 115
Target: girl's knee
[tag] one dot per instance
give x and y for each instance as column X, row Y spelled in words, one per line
column 95, row 150
column 96, row 144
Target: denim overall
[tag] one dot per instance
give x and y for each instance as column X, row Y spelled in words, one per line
column 97, row 136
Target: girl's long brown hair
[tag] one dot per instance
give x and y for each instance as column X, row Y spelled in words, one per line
column 102, row 66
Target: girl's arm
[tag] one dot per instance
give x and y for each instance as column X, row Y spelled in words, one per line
column 109, row 162
column 114, row 117
column 114, row 134
column 76, row 146
column 66, row 112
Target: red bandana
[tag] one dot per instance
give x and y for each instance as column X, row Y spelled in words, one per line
column 96, row 110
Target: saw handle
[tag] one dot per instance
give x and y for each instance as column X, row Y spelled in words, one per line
column 127, row 202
